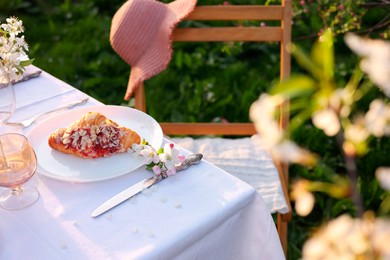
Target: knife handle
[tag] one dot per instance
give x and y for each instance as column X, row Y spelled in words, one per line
column 190, row 160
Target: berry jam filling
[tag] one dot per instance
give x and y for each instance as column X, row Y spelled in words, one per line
column 95, row 141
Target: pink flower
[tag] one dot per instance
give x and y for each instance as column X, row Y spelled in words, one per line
column 181, row 158
column 156, row 169
column 171, row 171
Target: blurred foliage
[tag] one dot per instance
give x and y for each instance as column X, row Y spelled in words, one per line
column 204, row 81
column 70, row 39
column 341, row 16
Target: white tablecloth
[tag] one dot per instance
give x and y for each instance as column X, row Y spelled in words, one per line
column 200, row 213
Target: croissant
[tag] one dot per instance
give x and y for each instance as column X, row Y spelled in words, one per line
column 93, row 136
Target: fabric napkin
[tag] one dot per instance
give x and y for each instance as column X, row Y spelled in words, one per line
column 246, row 160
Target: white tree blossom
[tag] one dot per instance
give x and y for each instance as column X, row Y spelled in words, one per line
column 350, row 238
column 356, row 133
column 383, row 176
column 327, row 120
column 304, row 199
column 262, row 113
column 376, row 59
column 377, row 119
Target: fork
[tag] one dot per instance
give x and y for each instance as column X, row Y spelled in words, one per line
column 28, row 122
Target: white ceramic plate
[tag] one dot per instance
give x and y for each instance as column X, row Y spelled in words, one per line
column 65, row 167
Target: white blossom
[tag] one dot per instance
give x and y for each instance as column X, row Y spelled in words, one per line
column 262, row 113
column 356, row 133
column 377, row 119
column 164, row 160
column 304, row 199
column 149, row 154
column 14, row 26
column 380, row 237
column 376, row 59
column 342, row 100
column 135, row 150
column 13, row 50
column 327, row 121
column 383, row 176
column 348, row 238
column 170, row 157
column 288, row 151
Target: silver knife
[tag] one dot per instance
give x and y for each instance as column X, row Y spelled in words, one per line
column 142, row 185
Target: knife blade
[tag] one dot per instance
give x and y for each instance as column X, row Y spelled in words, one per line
column 142, row 185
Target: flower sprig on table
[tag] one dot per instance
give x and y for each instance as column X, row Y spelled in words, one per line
column 13, row 50
column 161, row 161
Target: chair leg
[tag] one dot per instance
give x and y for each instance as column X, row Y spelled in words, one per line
column 139, row 96
column 282, row 231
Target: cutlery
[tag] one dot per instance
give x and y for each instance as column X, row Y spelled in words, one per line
column 142, row 185
column 28, row 122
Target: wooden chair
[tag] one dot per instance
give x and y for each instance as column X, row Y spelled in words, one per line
column 281, row 34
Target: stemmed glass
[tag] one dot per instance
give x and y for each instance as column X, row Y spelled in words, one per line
column 17, row 165
column 18, row 161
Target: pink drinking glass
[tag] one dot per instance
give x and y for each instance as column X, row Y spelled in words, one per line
column 18, row 164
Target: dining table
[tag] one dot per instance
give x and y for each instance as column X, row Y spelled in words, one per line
column 202, row 212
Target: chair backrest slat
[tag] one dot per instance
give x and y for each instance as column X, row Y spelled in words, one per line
column 236, row 12
column 208, row 128
column 251, row 34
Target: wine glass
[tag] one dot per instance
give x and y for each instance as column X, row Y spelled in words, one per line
column 17, row 165
column 7, row 102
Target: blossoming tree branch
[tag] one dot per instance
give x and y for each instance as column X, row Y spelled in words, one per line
column 317, row 98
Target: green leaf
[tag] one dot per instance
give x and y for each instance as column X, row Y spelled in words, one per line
column 188, row 61
column 323, row 55
column 342, row 206
column 25, row 63
column 179, row 59
column 356, row 77
column 19, row 68
column 299, row 119
column 149, row 167
column 296, row 86
column 305, row 61
column 385, row 205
